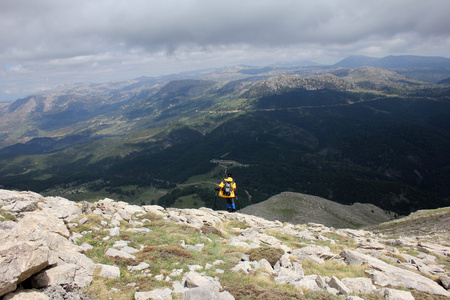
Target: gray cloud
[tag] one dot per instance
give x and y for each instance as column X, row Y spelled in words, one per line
column 49, row 42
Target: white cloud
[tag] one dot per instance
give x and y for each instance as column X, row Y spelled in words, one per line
column 67, row 41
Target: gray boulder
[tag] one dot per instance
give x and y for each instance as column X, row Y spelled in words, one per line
column 194, row 279
column 19, row 261
column 445, row 281
column 335, row 283
column 359, row 285
column 309, row 282
column 62, row 274
column 206, row 292
column 26, row 295
column 21, row 206
column 384, row 274
column 203, row 287
column 108, row 271
column 114, row 252
column 52, row 232
column 60, row 207
column 392, row 294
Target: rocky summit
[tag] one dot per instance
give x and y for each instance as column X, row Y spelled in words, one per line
column 54, row 248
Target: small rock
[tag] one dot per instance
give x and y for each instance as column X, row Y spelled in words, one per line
column 129, row 250
column 120, row 244
column 86, row 246
column 392, row 294
column 337, row 284
column 114, row 231
column 139, row 267
column 139, row 230
column 445, row 281
column 159, row 294
column 308, row 282
column 176, row 272
column 84, row 220
column 194, row 267
column 114, row 252
column 159, row 277
column 206, row 292
column 108, row 271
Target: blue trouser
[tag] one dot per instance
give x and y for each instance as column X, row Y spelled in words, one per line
column 230, row 203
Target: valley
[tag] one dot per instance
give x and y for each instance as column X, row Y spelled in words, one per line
column 363, row 134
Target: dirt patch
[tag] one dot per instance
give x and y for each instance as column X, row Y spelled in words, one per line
column 253, row 291
column 424, row 296
column 272, row 255
column 167, row 251
column 211, row 230
column 123, row 262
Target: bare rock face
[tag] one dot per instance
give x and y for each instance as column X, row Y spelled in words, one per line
column 39, row 247
column 38, row 240
column 19, row 261
column 445, row 281
column 26, row 295
column 384, row 274
column 62, row 274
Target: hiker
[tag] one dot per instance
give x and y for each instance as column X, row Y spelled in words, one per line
column 227, row 190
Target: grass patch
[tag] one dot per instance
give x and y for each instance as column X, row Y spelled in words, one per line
column 256, row 286
column 285, row 211
column 43, row 177
column 235, row 224
column 425, row 296
column 103, row 288
column 165, row 252
column 340, row 243
column 7, row 216
column 289, row 240
column 189, row 201
column 334, row 268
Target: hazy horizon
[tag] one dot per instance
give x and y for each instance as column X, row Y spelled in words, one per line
column 45, row 44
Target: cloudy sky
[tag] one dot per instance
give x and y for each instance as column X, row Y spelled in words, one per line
column 45, row 43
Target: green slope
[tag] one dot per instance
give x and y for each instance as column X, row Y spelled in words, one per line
column 339, row 144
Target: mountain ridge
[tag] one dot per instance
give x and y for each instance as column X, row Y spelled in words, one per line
column 344, row 135
column 395, row 61
column 297, row 208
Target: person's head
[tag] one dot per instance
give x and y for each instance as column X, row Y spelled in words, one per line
column 229, row 175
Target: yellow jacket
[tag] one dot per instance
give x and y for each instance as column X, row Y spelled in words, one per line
column 233, row 188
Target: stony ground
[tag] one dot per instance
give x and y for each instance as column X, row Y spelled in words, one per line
column 53, row 248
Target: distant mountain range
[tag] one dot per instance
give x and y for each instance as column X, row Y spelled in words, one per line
column 366, row 134
column 395, row 62
column 426, row 68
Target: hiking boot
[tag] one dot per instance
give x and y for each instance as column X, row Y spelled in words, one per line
column 233, row 210
column 230, row 210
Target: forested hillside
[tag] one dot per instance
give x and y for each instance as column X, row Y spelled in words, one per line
column 363, row 135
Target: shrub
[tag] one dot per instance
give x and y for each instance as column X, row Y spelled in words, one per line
column 272, row 255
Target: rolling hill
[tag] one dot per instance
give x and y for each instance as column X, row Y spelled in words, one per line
column 426, row 68
column 299, row 208
column 366, row 135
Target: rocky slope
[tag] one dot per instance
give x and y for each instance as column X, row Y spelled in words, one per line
column 297, row 208
column 52, row 247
